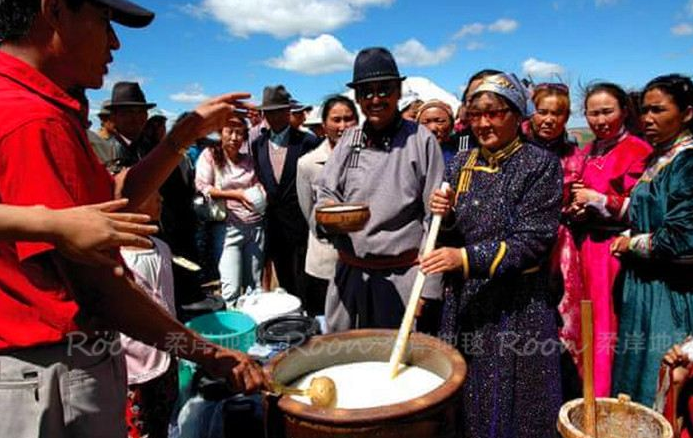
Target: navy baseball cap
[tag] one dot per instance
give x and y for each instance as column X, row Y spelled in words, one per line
column 128, row 13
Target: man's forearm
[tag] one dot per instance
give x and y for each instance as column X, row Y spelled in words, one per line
column 25, row 223
column 122, row 305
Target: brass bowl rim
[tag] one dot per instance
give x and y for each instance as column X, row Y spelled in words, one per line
column 379, row 414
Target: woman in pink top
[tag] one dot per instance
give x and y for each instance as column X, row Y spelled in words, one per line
column 223, row 172
column 613, row 163
column 547, row 129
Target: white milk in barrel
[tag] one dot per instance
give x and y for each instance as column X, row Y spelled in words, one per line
column 362, row 385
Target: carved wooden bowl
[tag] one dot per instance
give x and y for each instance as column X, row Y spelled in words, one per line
column 342, row 218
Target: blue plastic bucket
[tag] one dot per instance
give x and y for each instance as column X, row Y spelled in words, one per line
column 229, row 329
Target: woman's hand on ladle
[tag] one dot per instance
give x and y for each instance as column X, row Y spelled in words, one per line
column 441, row 260
column 441, row 201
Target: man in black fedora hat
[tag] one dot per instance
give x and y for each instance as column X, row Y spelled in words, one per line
column 393, row 165
column 61, row 374
column 276, row 154
column 129, row 111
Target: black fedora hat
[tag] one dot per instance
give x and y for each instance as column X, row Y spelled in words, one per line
column 374, row 64
column 128, row 13
column 275, row 98
column 128, row 94
column 297, row 107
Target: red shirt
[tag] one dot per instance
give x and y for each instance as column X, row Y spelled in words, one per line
column 45, row 158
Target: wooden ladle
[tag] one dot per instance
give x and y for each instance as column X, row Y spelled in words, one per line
column 322, row 391
column 590, row 416
column 400, row 347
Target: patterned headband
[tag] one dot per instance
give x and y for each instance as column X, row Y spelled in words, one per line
column 508, row 86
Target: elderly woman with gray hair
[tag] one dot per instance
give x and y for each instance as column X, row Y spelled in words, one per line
column 437, row 116
column 502, row 218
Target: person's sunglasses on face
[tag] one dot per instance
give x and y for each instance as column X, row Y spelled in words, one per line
column 493, row 114
column 382, row 90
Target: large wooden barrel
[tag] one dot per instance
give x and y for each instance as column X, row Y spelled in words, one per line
column 431, row 415
column 616, row 418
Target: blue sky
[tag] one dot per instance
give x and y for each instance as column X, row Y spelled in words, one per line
column 201, row 48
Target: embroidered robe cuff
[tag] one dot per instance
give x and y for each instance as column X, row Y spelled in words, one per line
column 465, row 263
column 641, row 245
column 485, row 258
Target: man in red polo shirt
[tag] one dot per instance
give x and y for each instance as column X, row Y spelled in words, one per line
column 56, row 379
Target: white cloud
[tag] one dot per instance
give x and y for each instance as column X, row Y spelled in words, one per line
column 192, row 10
column 284, row 18
column 474, row 45
column 503, row 25
column 371, row 2
column 534, row 67
column 682, row 29
column 324, row 54
column 689, row 7
column 605, row 2
column 114, row 77
column 469, row 29
column 412, row 52
column 192, row 94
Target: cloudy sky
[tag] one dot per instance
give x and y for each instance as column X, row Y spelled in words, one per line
column 198, row 48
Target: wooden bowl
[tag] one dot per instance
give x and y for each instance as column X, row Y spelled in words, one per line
column 342, row 218
column 616, row 418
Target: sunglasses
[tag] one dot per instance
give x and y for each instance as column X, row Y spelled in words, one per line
column 382, row 91
column 491, row 114
column 554, row 86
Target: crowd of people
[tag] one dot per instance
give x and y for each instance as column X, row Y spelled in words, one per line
column 119, row 228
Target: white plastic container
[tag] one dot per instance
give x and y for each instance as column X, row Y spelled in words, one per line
column 258, row 198
column 262, row 306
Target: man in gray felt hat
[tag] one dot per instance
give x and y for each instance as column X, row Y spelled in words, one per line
column 393, row 165
column 276, row 153
column 61, row 374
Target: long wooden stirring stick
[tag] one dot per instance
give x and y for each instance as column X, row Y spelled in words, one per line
column 590, row 418
column 408, row 321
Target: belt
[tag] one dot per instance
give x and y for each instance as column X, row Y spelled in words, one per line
column 405, row 260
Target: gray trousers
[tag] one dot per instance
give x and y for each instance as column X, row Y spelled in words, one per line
column 47, row 392
column 359, row 298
